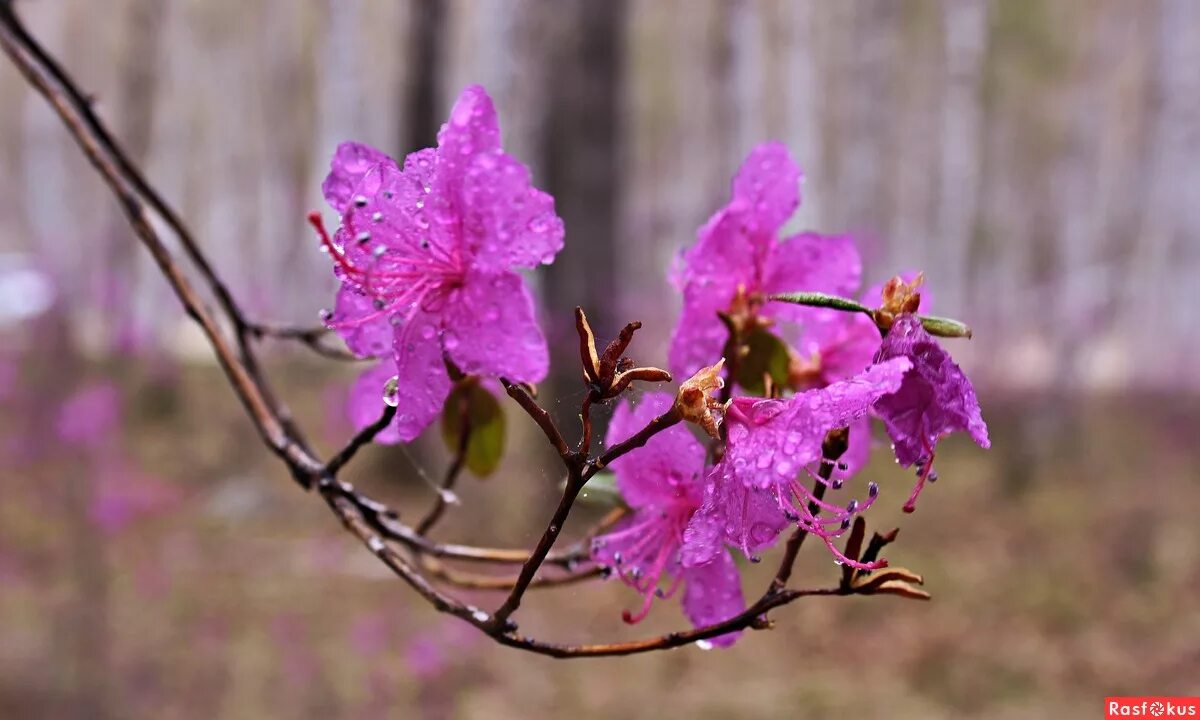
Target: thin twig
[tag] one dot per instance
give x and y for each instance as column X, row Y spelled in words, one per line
column 451, row 477
column 575, row 481
column 539, row 415
column 361, row 438
column 633, row 442
column 310, row 337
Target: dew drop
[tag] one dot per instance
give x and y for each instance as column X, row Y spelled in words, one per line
column 448, row 496
column 704, row 645
column 428, row 332
column 391, row 396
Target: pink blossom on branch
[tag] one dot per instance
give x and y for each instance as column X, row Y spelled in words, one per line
column 773, row 448
column 426, row 255
column 662, row 483
column 738, row 253
column 934, row 400
column 838, row 349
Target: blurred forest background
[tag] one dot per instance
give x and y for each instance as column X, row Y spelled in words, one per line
column 1039, row 160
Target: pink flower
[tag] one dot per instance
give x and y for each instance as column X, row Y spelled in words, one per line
column 426, row 255
column 123, row 495
column 737, row 253
column 754, row 492
column 661, row 482
column 838, row 349
column 89, row 418
column 934, row 400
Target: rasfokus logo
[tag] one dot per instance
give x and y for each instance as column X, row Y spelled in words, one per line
column 1152, row 707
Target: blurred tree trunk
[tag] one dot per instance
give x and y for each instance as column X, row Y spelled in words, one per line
column 580, row 156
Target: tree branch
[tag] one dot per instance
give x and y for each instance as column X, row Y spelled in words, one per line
column 372, row 522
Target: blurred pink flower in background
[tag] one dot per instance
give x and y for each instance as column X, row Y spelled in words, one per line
column 89, row 417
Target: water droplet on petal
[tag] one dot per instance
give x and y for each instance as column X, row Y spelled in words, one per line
column 391, row 392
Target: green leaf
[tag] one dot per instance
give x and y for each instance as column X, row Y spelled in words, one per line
column 600, row 490
column 470, row 404
column 944, row 327
column 768, row 355
column 816, row 299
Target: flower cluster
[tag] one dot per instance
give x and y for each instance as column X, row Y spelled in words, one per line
column 426, row 255
column 841, row 370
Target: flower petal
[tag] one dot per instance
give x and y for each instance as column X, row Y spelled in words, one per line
column 667, row 469
column 935, row 399
column 365, row 404
column 713, row 594
column 473, row 129
column 725, row 255
column 768, row 183
column 811, row 262
column 506, row 221
column 422, row 383
column 769, row 441
column 350, row 162
column 366, row 336
column 700, row 335
column 490, row 328
column 748, row 518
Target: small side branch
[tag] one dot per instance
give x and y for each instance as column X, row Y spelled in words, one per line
column 363, row 437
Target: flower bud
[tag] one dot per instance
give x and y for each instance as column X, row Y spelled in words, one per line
column 695, row 401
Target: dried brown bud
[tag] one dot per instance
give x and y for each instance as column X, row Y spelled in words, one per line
column 893, row 581
column 695, row 401
column 899, row 297
column 609, row 373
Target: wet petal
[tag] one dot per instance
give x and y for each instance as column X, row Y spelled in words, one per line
column 365, row 403
column 507, row 222
column 490, row 328
column 768, row 186
column 811, row 262
column 360, row 325
column 667, row 469
column 713, row 594
column 769, row 441
column 350, row 162
column 935, row 399
column 747, row 518
column 422, row 383
column 473, row 129
column 700, row 335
